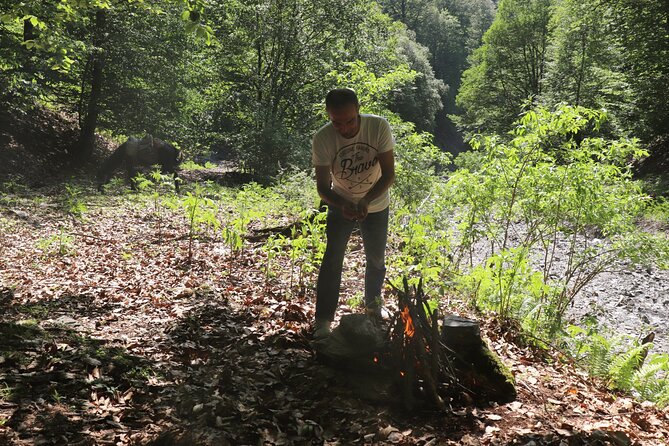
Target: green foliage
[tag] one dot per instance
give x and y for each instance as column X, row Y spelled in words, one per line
column 506, row 284
column 624, row 366
column 308, row 244
column 304, row 248
column 192, row 165
column 474, row 17
column 156, row 182
column 200, row 212
column 546, row 185
column 658, row 212
column 272, row 248
column 640, row 29
column 296, row 189
column 425, row 251
column 113, row 64
column 622, row 362
column 159, row 186
column 144, row 54
column 610, row 55
column 583, row 63
column 5, row 395
column 373, row 90
column 592, row 349
column 417, row 161
column 419, row 101
column 249, row 204
column 651, row 381
column 507, row 70
column 73, row 201
column 61, row 244
column 273, row 72
column 450, row 30
column 356, row 301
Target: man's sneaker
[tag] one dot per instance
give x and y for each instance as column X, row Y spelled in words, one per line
column 322, row 328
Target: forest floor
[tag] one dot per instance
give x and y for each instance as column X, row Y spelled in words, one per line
column 111, row 336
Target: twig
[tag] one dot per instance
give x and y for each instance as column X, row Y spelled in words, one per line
column 79, row 234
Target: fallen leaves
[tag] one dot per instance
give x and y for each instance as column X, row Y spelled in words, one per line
column 126, row 343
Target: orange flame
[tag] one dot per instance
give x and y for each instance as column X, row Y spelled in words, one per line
column 408, row 323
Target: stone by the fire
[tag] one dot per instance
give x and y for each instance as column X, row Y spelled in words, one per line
column 356, row 337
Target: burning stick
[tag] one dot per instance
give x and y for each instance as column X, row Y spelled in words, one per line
column 419, row 345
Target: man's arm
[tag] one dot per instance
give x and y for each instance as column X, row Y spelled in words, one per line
column 387, row 164
column 330, row 197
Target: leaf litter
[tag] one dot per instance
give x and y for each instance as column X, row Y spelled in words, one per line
column 118, row 340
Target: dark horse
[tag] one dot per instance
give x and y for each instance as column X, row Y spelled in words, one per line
column 135, row 152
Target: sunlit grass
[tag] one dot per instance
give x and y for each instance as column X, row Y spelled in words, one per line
column 5, row 395
column 192, row 165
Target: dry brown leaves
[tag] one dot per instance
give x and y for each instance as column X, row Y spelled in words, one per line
column 131, row 344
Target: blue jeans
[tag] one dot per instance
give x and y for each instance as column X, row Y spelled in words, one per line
column 374, row 231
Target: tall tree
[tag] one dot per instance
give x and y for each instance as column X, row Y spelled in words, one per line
column 584, row 64
column 450, row 29
column 474, row 16
column 506, row 71
column 278, row 63
column 148, row 72
column 90, row 109
column 420, row 100
column 410, row 12
column 444, row 37
column 642, row 27
column 66, row 64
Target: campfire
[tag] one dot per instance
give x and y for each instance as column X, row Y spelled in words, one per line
column 416, row 342
column 422, row 357
column 443, row 360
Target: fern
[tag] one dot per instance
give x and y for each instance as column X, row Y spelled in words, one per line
column 651, row 381
column 598, row 356
column 625, row 365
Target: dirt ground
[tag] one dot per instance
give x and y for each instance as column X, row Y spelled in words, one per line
column 118, row 340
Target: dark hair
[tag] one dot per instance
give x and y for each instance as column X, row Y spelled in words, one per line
column 339, row 97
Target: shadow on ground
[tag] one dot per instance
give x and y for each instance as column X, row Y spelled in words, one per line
column 215, row 377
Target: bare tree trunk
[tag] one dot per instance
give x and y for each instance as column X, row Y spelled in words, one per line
column 84, row 147
column 28, row 34
column 28, row 30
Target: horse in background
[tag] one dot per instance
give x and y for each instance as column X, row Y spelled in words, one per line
column 145, row 152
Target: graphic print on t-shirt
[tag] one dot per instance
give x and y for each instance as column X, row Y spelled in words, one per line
column 356, row 168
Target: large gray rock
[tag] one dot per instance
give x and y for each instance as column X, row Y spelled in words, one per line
column 354, row 342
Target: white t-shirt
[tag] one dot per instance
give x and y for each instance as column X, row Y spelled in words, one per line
column 354, row 163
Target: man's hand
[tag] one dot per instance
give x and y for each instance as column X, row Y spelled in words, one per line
column 350, row 211
column 355, row 211
column 362, row 208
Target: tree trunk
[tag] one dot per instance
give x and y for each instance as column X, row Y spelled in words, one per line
column 28, row 30
column 84, row 147
column 28, row 34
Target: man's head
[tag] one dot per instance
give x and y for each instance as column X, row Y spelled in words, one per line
column 343, row 109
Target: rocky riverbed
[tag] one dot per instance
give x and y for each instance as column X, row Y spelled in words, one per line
column 625, row 299
column 631, row 301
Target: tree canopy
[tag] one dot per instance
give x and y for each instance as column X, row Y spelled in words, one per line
column 246, row 79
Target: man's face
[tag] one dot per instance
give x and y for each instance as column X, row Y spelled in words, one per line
column 345, row 120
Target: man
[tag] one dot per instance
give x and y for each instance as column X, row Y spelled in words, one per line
column 355, row 167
